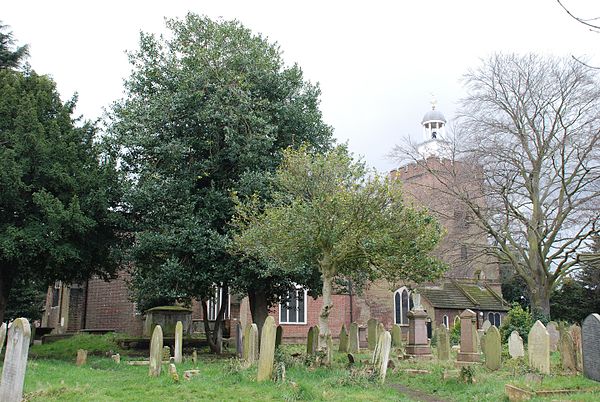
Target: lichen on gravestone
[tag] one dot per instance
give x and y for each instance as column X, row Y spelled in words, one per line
column 566, row 348
column 353, row 341
column 343, row 347
column 156, row 352
column 81, row 357
column 267, row 350
column 538, row 345
column 396, row 336
column 492, row 348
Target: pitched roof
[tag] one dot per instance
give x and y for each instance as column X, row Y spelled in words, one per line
column 462, row 296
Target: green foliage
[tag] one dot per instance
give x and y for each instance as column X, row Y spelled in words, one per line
column 10, row 58
column 517, row 319
column 455, row 334
column 59, row 190
column 467, row 374
column 26, row 299
column 66, row 349
column 207, row 111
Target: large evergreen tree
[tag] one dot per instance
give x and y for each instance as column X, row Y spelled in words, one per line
column 207, row 111
column 57, row 191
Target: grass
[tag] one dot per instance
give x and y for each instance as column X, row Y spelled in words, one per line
column 53, row 376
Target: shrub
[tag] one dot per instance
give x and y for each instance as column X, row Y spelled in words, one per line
column 455, row 334
column 518, row 320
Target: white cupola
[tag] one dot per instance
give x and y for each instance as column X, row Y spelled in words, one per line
column 434, row 132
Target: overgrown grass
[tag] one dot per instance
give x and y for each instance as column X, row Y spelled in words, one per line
column 66, row 349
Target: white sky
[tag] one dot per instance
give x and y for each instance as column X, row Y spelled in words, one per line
column 378, row 62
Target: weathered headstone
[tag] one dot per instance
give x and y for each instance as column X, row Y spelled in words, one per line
column 468, row 339
column 353, row 342
column 81, row 357
column 492, row 348
column 515, row 345
column 278, row 336
column 116, row 358
column 194, row 356
column 418, row 342
column 267, row 350
column 372, row 333
column 2, row 335
column 443, row 343
column 566, row 347
column 396, row 336
column 383, row 354
column 329, row 356
column 156, row 352
column 538, row 345
column 239, row 336
column 178, row 354
column 245, row 342
column 343, row 339
column 166, row 353
column 15, row 361
column 486, row 325
column 251, row 343
column 590, row 340
column 310, row 341
column 316, row 334
column 554, row 334
column 480, row 340
column 380, row 329
column 173, row 372
column 575, row 331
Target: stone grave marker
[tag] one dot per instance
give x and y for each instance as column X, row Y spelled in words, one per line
column 443, row 343
column 245, row 341
column 372, row 333
column 116, row 358
column 251, row 343
column 418, row 343
column 383, row 348
column 329, row 357
column 15, row 361
column 278, row 336
column 468, row 352
column 380, row 329
column 538, row 345
column 575, row 331
column 173, row 372
column 343, row 339
column 310, row 341
column 81, row 357
column 178, row 354
column 492, row 348
column 590, row 340
column 267, row 350
column 486, row 325
column 156, row 352
column 166, row 353
column 353, row 343
column 316, row 334
column 396, row 336
column 194, row 356
column 554, row 334
column 2, row 335
column 515, row 345
column 566, row 347
column 239, row 336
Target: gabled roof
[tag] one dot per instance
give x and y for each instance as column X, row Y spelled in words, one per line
column 455, row 295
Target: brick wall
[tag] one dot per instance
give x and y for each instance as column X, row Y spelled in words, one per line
column 108, row 307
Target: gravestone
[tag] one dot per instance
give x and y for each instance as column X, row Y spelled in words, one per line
column 173, row 372
column 316, row 333
column 194, row 356
column 116, row 358
column 418, row 343
column 575, row 331
column 239, row 338
column 310, row 341
column 250, row 349
column 2, row 335
column 380, row 329
column 372, row 333
column 396, row 336
column 353, row 343
column 245, row 340
column 178, row 342
column 492, row 348
column 486, row 325
column 468, row 353
column 538, row 345
column 81, row 357
column 515, row 345
column 15, row 361
column 554, row 334
column 480, row 340
column 278, row 336
column 156, row 351
column 267, row 350
column 384, row 346
column 343, row 339
column 166, row 353
column 590, row 341
column 566, row 347
column 443, row 343
column 329, row 356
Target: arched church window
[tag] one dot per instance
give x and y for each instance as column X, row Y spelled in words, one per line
column 402, row 305
column 445, row 321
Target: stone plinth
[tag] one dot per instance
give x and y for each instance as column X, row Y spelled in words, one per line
column 418, row 345
column 167, row 317
column 468, row 353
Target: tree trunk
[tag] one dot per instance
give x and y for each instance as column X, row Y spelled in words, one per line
column 259, row 307
column 6, row 282
column 215, row 337
column 540, row 301
column 325, row 311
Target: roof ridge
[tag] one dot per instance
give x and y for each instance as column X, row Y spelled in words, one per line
column 496, row 295
column 464, row 292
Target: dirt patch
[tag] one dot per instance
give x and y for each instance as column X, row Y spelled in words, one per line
column 416, row 394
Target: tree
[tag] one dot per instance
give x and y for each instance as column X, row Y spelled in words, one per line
column 58, row 191
column 529, row 130
column 207, row 112
column 10, row 58
column 330, row 215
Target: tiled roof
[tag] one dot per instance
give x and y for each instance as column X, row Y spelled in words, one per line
column 462, row 296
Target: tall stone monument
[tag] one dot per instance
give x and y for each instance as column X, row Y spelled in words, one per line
column 590, row 339
column 538, row 345
column 372, row 333
column 353, row 341
column 15, row 361
column 178, row 354
column 418, row 343
column 156, row 350
column 267, row 350
column 468, row 353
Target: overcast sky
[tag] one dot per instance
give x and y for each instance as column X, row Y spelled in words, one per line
column 378, row 62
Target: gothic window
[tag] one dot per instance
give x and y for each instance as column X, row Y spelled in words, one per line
column 494, row 319
column 293, row 309
column 402, row 305
column 214, row 304
column 445, row 322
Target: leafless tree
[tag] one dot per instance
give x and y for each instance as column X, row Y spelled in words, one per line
column 528, row 138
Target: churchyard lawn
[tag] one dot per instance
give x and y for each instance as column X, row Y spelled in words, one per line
column 49, row 378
